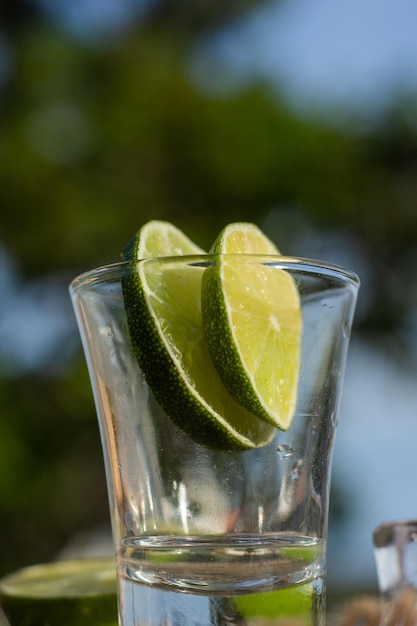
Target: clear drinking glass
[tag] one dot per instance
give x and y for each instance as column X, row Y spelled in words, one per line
column 217, row 537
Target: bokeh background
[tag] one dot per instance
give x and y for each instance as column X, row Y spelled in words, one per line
column 297, row 115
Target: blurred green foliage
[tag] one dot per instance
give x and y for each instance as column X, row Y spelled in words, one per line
column 96, row 142
column 98, row 137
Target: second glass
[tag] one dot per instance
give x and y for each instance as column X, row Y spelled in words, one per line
column 215, row 537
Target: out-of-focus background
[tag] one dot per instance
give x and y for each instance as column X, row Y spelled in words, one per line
column 300, row 116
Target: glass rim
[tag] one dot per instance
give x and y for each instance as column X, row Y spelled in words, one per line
column 301, row 264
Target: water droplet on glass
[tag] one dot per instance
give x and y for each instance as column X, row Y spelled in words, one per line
column 284, row 451
column 327, row 303
column 314, row 423
column 334, row 417
column 296, row 469
column 346, row 330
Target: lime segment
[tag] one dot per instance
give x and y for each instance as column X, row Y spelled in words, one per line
column 82, row 592
column 252, row 319
column 163, row 309
column 243, row 238
column 159, row 238
column 277, row 607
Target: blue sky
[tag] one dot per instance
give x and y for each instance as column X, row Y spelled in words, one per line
column 375, row 457
column 37, row 324
column 325, row 52
column 319, row 52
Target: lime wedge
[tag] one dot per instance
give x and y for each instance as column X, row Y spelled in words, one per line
column 81, row 592
column 243, row 238
column 252, row 320
column 277, row 607
column 158, row 238
column 163, row 309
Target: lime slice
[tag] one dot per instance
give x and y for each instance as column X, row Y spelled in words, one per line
column 252, row 320
column 163, row 309
column 158, row 238
column 66, row 592
column 243, row 238
column 277, row 607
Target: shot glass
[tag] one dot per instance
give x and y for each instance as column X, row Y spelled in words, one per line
column 205, row 536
